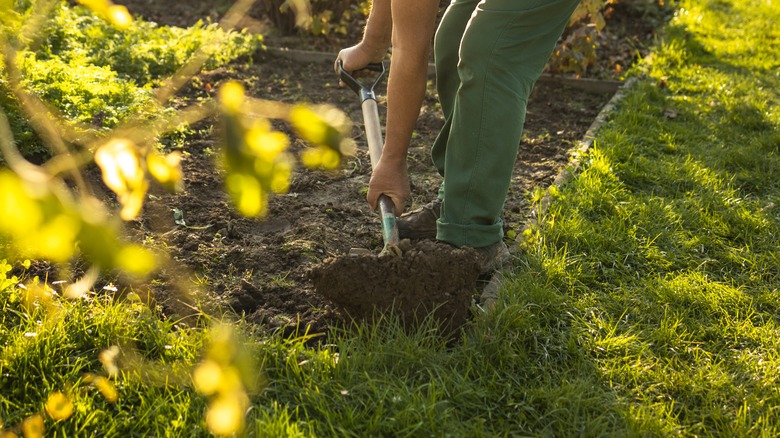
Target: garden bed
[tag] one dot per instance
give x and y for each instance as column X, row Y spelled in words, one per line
column 259, row 268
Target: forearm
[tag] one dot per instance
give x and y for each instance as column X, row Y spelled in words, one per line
column 414, row 23
column 405, row 92
column 379, row 27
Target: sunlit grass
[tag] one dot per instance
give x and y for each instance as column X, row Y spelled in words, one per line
column 50, row 367
column 668, row 236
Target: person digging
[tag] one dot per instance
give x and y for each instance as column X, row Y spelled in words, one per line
column 488, row 55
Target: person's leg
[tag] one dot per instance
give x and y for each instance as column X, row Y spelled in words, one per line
column 446, row 51
column 502, row 52
column 421, row 223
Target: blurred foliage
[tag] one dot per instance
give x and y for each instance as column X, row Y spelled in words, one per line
column 82, row 86
column 42, row 220
column 255, row 157
column 227, row 375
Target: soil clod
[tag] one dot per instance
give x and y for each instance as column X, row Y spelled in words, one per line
column 427, row 277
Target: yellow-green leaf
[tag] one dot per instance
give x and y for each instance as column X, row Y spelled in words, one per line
column 247, row 194
column 136, row 260
column 59, row 407
column 119, row 16
column 231, row 97
column 123, row 174
column 166, row 170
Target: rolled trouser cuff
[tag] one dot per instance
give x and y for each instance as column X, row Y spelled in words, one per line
column 472, row 235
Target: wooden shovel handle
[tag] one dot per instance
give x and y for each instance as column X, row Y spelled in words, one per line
column 375, row 145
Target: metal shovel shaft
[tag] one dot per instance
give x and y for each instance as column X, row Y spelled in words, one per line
column 375, row 145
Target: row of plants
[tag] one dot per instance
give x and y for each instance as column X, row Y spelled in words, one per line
column 96, row 75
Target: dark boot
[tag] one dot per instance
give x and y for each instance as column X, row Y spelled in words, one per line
column 420, row 223
column 493, row 257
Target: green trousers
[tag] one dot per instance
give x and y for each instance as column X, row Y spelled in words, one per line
column 489, row 54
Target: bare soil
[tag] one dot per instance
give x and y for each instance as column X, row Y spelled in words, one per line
column 263, row 268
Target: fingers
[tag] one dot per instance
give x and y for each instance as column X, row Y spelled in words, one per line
column 398, row 204
column 354, row 59
column 339, row 58
column 389, row 177
column 399, row 200
column 336, row 69
column 372, row 199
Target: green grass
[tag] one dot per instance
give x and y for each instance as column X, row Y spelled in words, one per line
column 645, row 304
column 666, row 242
column 50, row 345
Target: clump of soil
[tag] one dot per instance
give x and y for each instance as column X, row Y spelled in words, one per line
column 427, row 277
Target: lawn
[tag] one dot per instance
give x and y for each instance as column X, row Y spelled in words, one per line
column 644, row 302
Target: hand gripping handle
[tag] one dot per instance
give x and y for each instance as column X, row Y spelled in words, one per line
column 363, row 90
column 375, row 144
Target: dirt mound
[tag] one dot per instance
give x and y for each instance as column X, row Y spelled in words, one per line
column 428, row 276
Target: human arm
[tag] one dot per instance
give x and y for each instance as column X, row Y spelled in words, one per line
column 376, row 39
column 412, row 23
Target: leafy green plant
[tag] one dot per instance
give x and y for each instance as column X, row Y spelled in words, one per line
column 143, row 52
column 85, row 93
column 658, row 11
column 26, row 139
column 577, row 50
column 96, row 75
column 314, row 17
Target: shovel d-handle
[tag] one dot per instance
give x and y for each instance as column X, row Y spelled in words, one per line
column 375, row 144
column 369, row 107
column 365, row 91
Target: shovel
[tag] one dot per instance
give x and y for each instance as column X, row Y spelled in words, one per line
column 411, row 280
column 375, row 145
